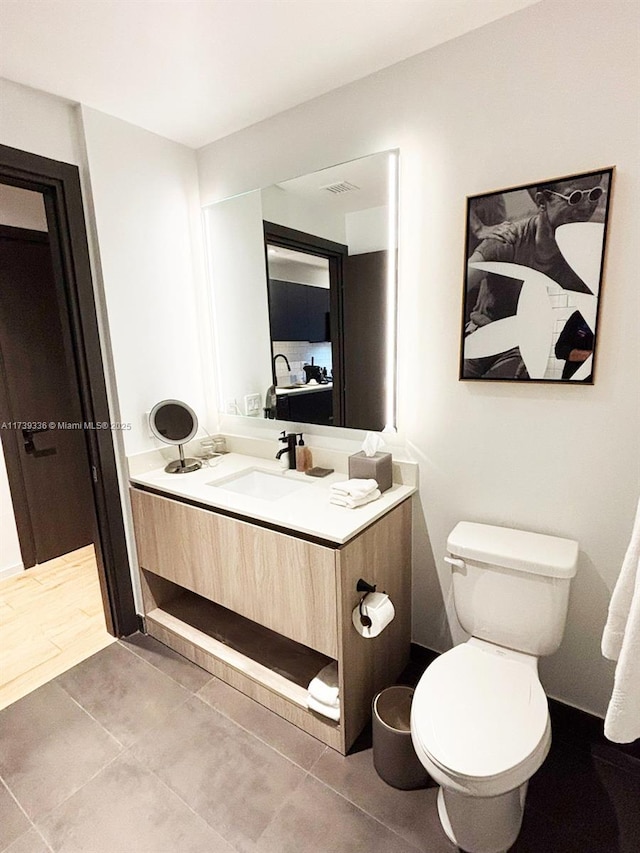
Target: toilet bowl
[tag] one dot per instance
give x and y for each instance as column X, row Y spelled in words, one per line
column 480, row 725
column 479, row 718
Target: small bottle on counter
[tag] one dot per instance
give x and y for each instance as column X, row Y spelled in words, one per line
column 303, row 456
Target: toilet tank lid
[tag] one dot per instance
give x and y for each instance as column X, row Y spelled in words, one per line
column 514, row 549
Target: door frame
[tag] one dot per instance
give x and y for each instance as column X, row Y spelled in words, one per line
column 60, row 185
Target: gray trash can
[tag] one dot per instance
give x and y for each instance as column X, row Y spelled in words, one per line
column 394, row 757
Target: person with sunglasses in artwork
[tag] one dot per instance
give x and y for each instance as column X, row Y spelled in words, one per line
column 533, row 245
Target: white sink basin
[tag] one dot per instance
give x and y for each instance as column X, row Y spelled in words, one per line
column 256, row 483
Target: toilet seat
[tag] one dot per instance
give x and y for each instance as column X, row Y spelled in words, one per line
column 480, row 716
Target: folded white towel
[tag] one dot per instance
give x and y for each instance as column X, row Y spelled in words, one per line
column 355, row 488
column 324, row 687
column 621, row 642
column 352, row 503
column 325, row 710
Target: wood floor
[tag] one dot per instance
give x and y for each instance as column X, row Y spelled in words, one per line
column 51, row 618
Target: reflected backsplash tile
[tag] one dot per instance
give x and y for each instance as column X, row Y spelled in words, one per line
column 298, row 354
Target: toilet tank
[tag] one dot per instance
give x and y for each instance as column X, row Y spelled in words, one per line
column 511, row 587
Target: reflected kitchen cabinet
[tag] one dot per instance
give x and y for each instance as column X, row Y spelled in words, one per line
column 314, row 406
column 319, row 326
column 298, row 312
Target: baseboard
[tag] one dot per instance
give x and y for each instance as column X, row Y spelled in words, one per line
column 10, row 571
column 421, row 654
column 585, row 732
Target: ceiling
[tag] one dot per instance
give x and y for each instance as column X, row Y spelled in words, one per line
column 197, row 70
column 368, row 177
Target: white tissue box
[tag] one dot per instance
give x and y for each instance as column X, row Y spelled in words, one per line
column 376, row 467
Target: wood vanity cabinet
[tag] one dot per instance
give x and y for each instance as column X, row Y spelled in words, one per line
column 265, row 610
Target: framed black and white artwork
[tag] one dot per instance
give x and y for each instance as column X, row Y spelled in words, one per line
column 533, row 271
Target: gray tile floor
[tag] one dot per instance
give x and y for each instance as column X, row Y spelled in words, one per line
column 136, row 749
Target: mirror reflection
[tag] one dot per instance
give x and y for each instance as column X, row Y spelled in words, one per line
column 300, row 331
column 303, row 278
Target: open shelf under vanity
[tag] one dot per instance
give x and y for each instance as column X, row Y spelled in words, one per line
column 261, row 662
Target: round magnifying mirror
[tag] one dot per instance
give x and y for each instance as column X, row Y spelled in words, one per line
column 175, row 423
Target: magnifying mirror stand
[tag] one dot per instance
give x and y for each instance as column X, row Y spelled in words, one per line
column 175, row 423
column 182, row 465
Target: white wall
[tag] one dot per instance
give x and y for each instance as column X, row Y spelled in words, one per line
column 22, row 208
column 10, row 556
column 39, row 123
column 548, row 91
column 300, row 273
column 145, row 196
column 367, row 230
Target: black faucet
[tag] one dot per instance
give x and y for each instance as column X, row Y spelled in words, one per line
column 290, row 439
column 280, row 355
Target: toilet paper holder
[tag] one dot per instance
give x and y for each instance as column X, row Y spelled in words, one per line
column 373, row 612
column 364, row 586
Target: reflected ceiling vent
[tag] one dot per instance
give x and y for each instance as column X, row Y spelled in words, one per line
column 340, row 187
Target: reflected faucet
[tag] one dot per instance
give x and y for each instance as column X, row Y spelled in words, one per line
column 271, row 400
column 286, row 360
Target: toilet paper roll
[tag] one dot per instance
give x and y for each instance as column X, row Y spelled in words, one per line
column 379, row 608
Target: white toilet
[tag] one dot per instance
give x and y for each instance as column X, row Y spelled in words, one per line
column 479, row 718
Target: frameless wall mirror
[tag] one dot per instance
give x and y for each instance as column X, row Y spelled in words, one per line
column 303, row 281
column 175, row 423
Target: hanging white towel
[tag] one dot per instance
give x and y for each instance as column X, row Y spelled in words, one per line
column 352, row 503
column 355, row 488
column 621, row 642
column 325, row 710
column 324, row 687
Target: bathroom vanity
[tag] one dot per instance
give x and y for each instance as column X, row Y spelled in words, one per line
column 259, row 591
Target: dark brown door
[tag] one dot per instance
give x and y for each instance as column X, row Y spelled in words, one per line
column 365, row 331
column 42, row 434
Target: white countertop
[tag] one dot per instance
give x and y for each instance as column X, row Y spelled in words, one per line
column 307, row 510
column 309, row 388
